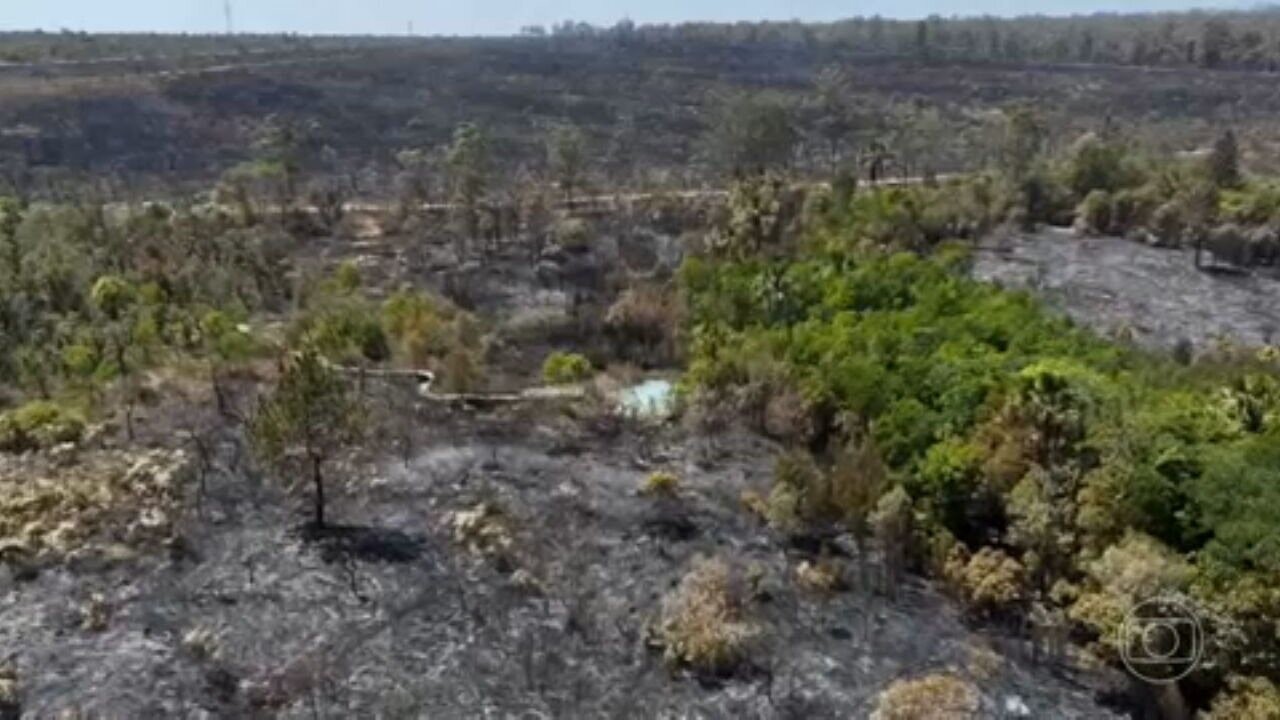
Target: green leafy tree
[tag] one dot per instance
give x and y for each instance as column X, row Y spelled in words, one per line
column 284, row 144
column 309, row 418
column 1024, row 138
column 11, row 214
column 751, row 132
column 226, row 343
column 126, row 333
column 837, row 118
column 1223, row 163
column 1096, row 164
column 467, row 160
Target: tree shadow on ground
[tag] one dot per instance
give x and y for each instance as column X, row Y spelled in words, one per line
column 367, row 544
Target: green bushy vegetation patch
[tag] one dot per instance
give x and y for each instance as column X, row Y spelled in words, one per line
column 561, row 368
column 1030, row 449
column 39, row 423
column 92, row 297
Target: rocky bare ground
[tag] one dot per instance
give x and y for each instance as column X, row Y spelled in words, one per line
column 1154, row 295
column 509, row 568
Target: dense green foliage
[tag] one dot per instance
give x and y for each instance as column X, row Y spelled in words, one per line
column 91, row 294
column 562, row 368
column 410, row 328
column 38, row 423
column 1033, row 450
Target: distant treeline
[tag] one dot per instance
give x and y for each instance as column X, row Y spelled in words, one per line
column 1243, row 39
column 1239, row 39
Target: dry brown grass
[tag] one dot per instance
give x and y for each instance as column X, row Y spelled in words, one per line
column 703, row 625
column 21, row 89
column 110, row 498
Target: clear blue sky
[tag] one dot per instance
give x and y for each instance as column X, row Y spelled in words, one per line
column 468, row 17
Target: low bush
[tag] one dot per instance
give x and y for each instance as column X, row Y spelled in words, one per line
column 563, row 368
column 703, row 624
column 572, row 234
column 339, row 322
column 37, row 424
column 661, row 484
column 934, row 697
column 644, row 323
column 1093, row 217
column 991, row 581
column 789, row 416
column 419, row 326
column 801, row 494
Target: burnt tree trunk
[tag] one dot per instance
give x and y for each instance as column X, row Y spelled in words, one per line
column 317, row 480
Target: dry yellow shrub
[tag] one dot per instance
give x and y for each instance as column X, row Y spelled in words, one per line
column 1246, row 699
column 935, row 697
column 51, row 512
column 990, row 580
column 703, row 625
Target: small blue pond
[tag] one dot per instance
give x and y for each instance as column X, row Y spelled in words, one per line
column 651, row 398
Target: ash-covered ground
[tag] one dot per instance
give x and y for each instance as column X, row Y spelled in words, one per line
column 1155, row 296
column 544, row 613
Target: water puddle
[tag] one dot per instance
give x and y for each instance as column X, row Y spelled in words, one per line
column 650, row 399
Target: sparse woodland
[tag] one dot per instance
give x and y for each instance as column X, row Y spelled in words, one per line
column 269, row 413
